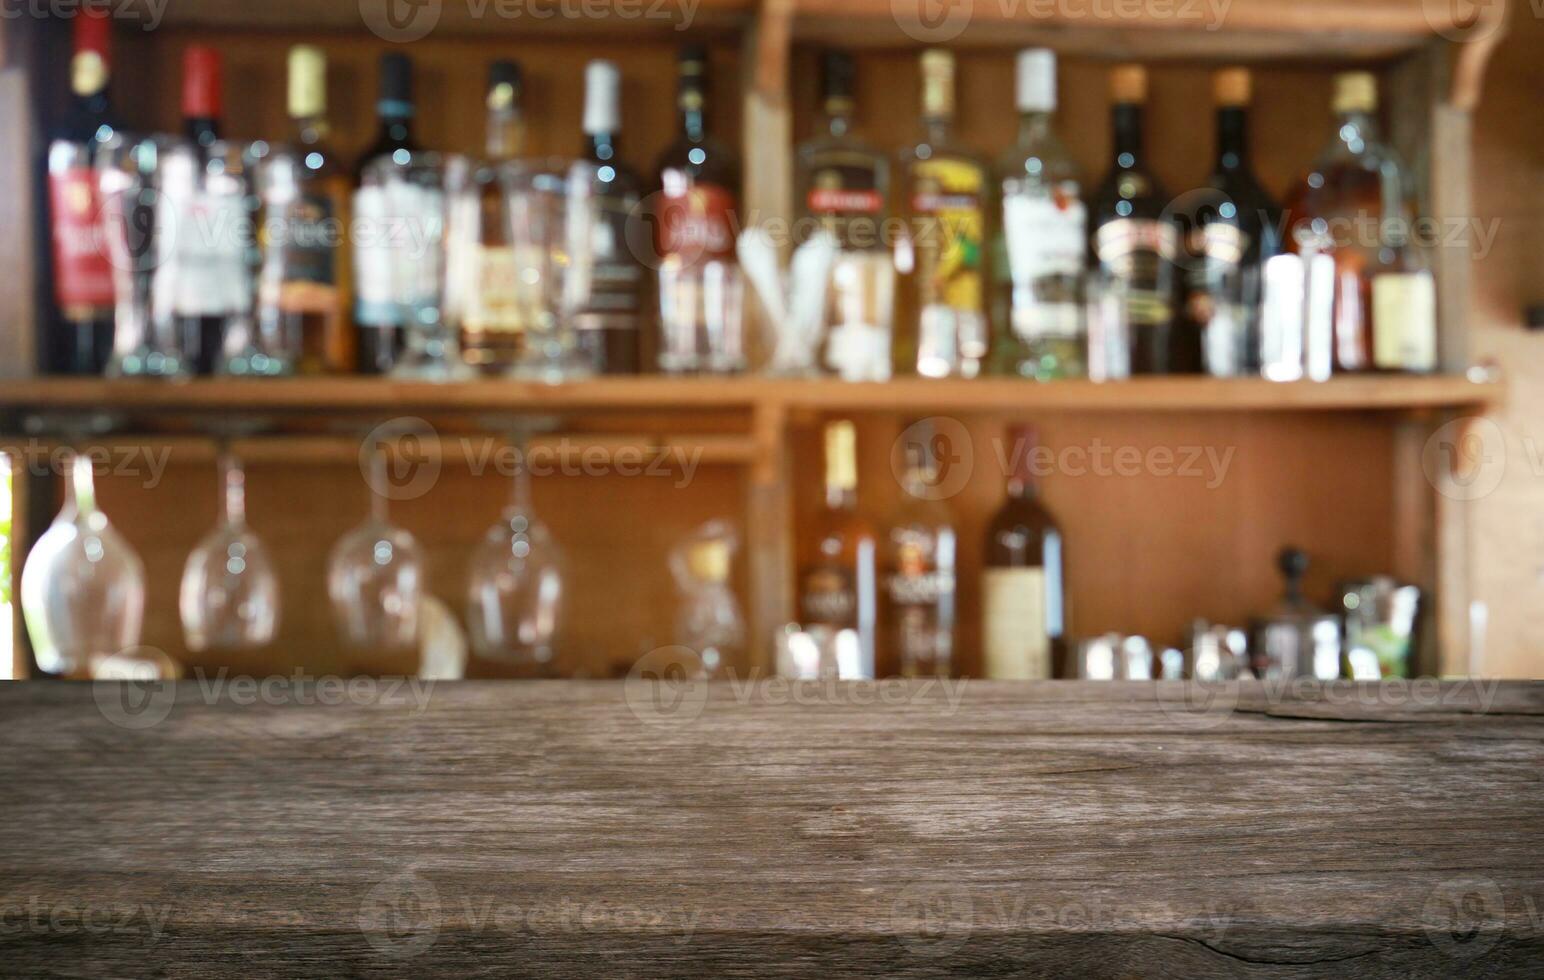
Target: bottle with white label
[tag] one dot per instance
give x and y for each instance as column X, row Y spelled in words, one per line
column 1404, row 305
column 1023, row 584
column 1045, row 233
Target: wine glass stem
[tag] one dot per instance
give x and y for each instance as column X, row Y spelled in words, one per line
column 377, row 482
column 81, row 486
column 521, row 499
column 234, row 481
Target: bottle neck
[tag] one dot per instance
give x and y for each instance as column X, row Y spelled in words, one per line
column 602, row 147
column 841, row 497
column 506, row 133
column 203, row 130
column 1021, row 486
column 693, row 123
column 311, row 130
column 1034, row 125
column 1356, row 131
column 396, row 122
column 1232, row 139
column 1127, row 119
column 838, row 113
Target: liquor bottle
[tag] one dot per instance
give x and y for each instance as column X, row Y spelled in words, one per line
column 1338, row 209
column 313, row 276
column 942, row 328
column 492, row 328
column 1232, row 235
column 1023, row 587
column 81, row 341
column 1134, row 244
column 699, row 280
column 1045, row 230
column 1404, row 305
column 921, row 573
column 608, row 326
column 379, row 337
column 209, row 261
column 837, row 589
column 843, row 187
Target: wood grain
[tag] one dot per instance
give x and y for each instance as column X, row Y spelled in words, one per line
column 576, row 830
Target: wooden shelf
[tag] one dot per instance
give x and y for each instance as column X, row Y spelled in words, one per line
column 1316, row 30
column 994, row 396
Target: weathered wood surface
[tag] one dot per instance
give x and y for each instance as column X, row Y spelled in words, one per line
column 903, row 829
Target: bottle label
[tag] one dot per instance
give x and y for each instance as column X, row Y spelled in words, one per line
column 842, row 201
column 921, row 588
column 83, row 277
column 1046, row 237
column 1015, row 642
column 1404, row 317
column 375, row 304
column 493, row 290
column 309, row 241
column 947, row 196
column 1137, row 252
column 696, row 221
column 208, row 273
column 616, row 276
column 1221, row 297
column 828, row 598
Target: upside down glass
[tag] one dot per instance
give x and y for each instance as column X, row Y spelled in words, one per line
column 139, row 235
column 375, row 579
column 83, row 586
column 229, row 598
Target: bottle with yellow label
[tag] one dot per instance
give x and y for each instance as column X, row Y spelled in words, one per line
column 941, row 324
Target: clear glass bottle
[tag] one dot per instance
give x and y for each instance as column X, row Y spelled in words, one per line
column 1045, row 229
column 843, row 186
column 1134, row 243
column 941, row 329
column 709, row 622
column 920, row 584
column 1339, row 210
column 837, row 587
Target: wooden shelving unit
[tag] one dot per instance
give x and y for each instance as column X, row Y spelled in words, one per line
column 1344, row 469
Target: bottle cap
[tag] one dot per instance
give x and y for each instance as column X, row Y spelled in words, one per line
column 937, row 83
column 396, row 85
column 1232, row 87
column 1356, row 91
column 1128, row 84
column 307, row 82
column 602, row 98
column 90, row 65
column 200, row 83
column 503, row 84
column 1036, row 80
column 836, row 74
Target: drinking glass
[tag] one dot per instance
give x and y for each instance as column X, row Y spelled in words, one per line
column 548, row 208
column 1109, row 328
column 701, row 308
column 230, row 595
column 83, row 586
column 410, row 235
column 515, row 587
column 375, row 578
column 139, row 233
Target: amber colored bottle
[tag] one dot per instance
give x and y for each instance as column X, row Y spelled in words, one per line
column 838, row 586
column 1338, row 209
column 1024, row 584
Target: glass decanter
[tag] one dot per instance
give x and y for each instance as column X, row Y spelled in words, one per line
column 83, row 587
column 230, row 595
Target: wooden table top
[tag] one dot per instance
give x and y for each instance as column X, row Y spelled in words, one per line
column 227, row 828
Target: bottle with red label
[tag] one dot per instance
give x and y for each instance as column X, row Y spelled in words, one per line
column 81, row 341
column 204, row 257
column 700, row 289
column 1134, row 241
column 843, row 187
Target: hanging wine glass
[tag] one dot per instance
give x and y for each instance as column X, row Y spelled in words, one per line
column 230, row 594
column 83, row 586
column 515, row 586
column 375, row 579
